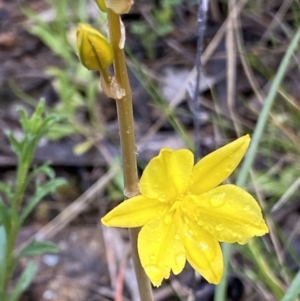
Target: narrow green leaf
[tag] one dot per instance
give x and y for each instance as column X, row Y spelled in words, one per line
column 3, row 242
column 44, row 169
column 41, row 192
column 24, row 281
column 5, row 217
column 38, row 248
column 15, row 144
column 6, row 189
column 24, row 120
column 293, row 291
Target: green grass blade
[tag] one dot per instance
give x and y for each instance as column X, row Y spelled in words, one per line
column 294, row 290
column 220, row 294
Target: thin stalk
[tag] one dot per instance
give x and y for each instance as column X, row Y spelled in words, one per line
column 265, row 270
column 127, row 139
column 196, row 101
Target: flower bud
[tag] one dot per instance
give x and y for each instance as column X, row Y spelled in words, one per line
column 119, row 6
column 101, row 4
column 93, row 48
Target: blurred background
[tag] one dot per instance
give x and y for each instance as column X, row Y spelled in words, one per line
column 243, row 45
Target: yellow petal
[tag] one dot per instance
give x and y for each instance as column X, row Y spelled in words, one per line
column 203, row 252
column 134, row 212
column 167, row 175
column 229, row 213
column 214, row 168
column 161, row 248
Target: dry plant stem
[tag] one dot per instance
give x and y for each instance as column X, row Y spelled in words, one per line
column 126, row 127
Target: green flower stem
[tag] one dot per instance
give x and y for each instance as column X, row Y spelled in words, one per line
column 127, row 138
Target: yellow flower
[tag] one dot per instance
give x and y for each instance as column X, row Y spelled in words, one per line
column 184, row 214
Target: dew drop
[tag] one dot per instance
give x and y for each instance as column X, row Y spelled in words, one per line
column 152, row 258
column 218, row 200
column 203, row 246
column 184, row 209
column 190, row 232
column 168, row 219
column 220, row 227
column 162, row 197
column 229, row 168
column 186, row 220
column 180, row 262
column 257, row 222
column 246, row 208
column 199, row 222
column 155, row 273
column 177, row 236
column 158, row 239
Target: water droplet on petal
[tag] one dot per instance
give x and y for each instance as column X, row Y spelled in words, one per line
column 190, row 232
column 180, row 262
column 246, row 208
column 152, row 257
column 177, row 236
column 158, row 239
column 155, row 273
column 230, row 168
column 186, row 220
column 220, row 227
column 162, row 197
column 218, row 200
column 203, row 246
column 168, row 219
column 199, row 222
column 257, row 222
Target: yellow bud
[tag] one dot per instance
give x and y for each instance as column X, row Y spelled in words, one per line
column 93, row 48
column 119, row 6
column 101, row 4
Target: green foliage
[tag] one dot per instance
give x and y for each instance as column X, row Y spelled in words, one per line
column 35, row 248
column 12, row 214
column 161, row 25
column 75, row 85
column 24, row 281
column 286, row 178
